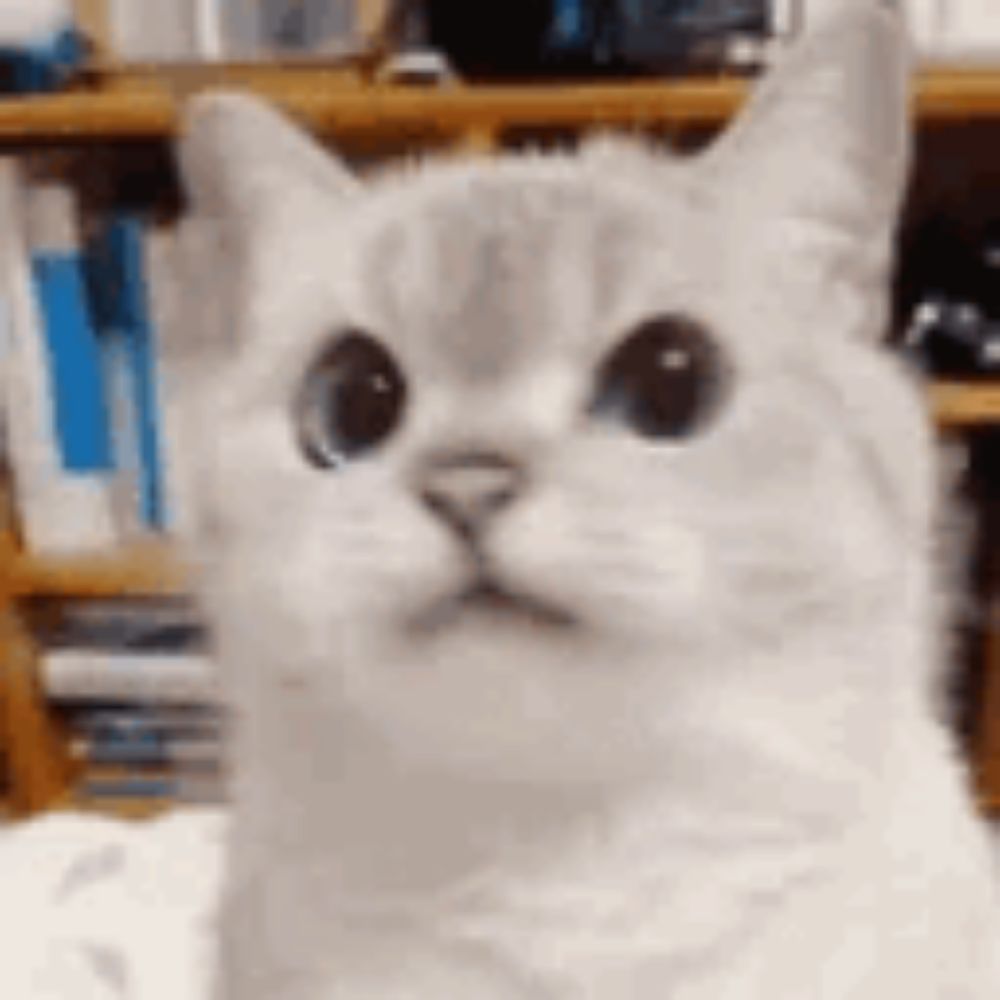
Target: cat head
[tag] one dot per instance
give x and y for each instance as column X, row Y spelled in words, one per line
column 533, row 462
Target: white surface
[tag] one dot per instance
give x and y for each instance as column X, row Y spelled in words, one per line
column 101, row 909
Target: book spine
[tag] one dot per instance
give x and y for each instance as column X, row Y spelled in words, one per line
column 190, row 789
column 131, row 787
column 786, row 18
column 171, row 317
column 81, row 411
column 154, row 30
column 118, row 274
column 149, row 751
column 207, row 30
column 197, row 723
column 52, row 391
column 289, row 27
column 81, row 673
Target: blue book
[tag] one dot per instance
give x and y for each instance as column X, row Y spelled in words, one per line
column 76, row 377
column 119, row 291
column 130, row 788
column 40, row 45
column 55, row 411
column 570, row 26
column 44, row 65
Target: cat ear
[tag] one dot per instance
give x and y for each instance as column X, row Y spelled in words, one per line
column 825, row 137
column 240, row 159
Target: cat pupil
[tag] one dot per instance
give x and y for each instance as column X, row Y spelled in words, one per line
column 662, row 380
column 350, row 401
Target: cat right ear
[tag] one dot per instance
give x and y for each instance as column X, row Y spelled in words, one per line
column 241, row 159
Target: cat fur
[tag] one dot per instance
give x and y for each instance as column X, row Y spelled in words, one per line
column 728, row 780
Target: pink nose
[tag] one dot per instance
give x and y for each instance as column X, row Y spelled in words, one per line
column 466, row 490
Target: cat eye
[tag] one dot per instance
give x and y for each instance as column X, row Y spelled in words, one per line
column 350, row 401
column 663, row 380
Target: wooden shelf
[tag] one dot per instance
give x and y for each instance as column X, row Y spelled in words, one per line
column 958, row 404
column 143, row 103
column 148, row 569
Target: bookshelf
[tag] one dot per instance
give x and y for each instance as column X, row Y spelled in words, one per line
column 141, row 103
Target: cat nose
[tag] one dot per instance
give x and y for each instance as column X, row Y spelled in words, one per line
column 466, row 490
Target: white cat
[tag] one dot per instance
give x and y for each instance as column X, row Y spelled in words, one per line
column 568, row 541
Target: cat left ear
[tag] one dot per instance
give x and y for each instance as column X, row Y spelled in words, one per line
column 239, row 156
column 826, row 135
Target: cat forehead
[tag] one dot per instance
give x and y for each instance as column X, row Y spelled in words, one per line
column 514, row 195
column 490, row 264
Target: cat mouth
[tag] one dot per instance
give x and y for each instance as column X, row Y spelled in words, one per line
column 489, row 599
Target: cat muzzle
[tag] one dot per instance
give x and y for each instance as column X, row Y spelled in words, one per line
column 486, row 596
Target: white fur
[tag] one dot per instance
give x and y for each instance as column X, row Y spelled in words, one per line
column 728, row 780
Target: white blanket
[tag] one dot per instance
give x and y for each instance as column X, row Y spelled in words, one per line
column 100, row 909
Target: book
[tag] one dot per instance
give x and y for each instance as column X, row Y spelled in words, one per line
column 156, row 31
column 56, row 425
column 145, row 734
column 191, row 721
column 290, row 28
column 40, row 46
column 150, row 677
column 148, row 749
column 119, row 286
column 171, row 321
column 170, row 788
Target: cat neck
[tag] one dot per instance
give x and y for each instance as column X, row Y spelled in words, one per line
column 546, row 881
column 375, row 826
column 549, row 885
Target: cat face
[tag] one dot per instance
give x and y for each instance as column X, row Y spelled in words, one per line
column 527, row 463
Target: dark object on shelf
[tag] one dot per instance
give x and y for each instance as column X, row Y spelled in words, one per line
column 489, row 37
column 532, row 38
column 165, row 626
column 953, row 338
column 950, row 313
column 43, row 66
column 662, row 35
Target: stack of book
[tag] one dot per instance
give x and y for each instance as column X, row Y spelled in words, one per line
column 136, row 693
column 147, row 752
column 171, row 753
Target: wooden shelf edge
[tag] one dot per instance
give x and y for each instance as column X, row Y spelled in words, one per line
column 965, row 404
column 145, row 103
column 989, row 804
column 151, row 568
